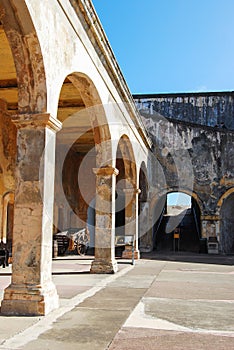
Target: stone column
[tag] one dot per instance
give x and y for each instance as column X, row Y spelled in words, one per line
column 105, row 221
column 131, row 220
column 32, row 291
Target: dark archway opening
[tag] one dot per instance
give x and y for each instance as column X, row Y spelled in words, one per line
column 119, row 203
column 227, row 225
column 144, row 236
column 178, row 227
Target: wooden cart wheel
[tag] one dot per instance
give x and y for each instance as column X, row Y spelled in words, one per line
column 81, row 249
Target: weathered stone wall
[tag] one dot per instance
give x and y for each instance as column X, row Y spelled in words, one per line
column 183, row 151
column 227, row 225
column 211, row 109
column 193, row 152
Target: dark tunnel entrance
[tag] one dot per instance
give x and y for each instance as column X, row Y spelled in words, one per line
column 178, row 227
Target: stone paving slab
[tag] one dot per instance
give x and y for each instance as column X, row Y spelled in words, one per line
column 82, row 328
column 148, row 268
column 131, row 281
column 145, row 339
column 9, row 326
column 195, row 314
column 153, row 305
column 193, row 290
column 114, row 299
column 199, row 277
column 70, row 291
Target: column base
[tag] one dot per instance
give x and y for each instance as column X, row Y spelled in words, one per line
column 33, row 300
column 104, row 266
column 127, row 254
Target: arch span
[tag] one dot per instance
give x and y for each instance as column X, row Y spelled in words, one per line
column 222, row 198
column 26, row 52
column 127, row 187
column 183, row 219
column 164, row 192
column 80, row 101
column 126, row 153
column 83, row 144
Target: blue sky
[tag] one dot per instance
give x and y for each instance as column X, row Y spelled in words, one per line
column 171, row 45
column 178, row 199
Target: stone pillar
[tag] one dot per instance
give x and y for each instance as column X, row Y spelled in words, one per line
column 131, row 220
column 32, row 291
column 105, row 221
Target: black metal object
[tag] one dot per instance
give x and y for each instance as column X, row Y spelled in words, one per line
column 4, row 256
column 127, row 240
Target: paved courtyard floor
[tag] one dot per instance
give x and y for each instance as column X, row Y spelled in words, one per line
column 163, row 302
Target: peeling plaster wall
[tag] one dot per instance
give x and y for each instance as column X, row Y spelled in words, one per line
column 210, row 109
column 227, row 225
column 195, row 159
column 191, row 157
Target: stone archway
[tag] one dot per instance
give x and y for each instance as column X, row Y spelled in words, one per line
column 186, row 219
column 27, row 75
column 127, row 186
column 83, row 161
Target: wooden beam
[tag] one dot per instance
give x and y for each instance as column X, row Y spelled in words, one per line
column 7, row 65
column 70, row 93
column 8, row 83
column 69, row 112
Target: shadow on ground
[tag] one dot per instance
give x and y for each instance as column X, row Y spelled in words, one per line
column 190, row 257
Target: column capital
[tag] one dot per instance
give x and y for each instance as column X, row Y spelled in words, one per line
column 106, row 171
column 31, row 121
